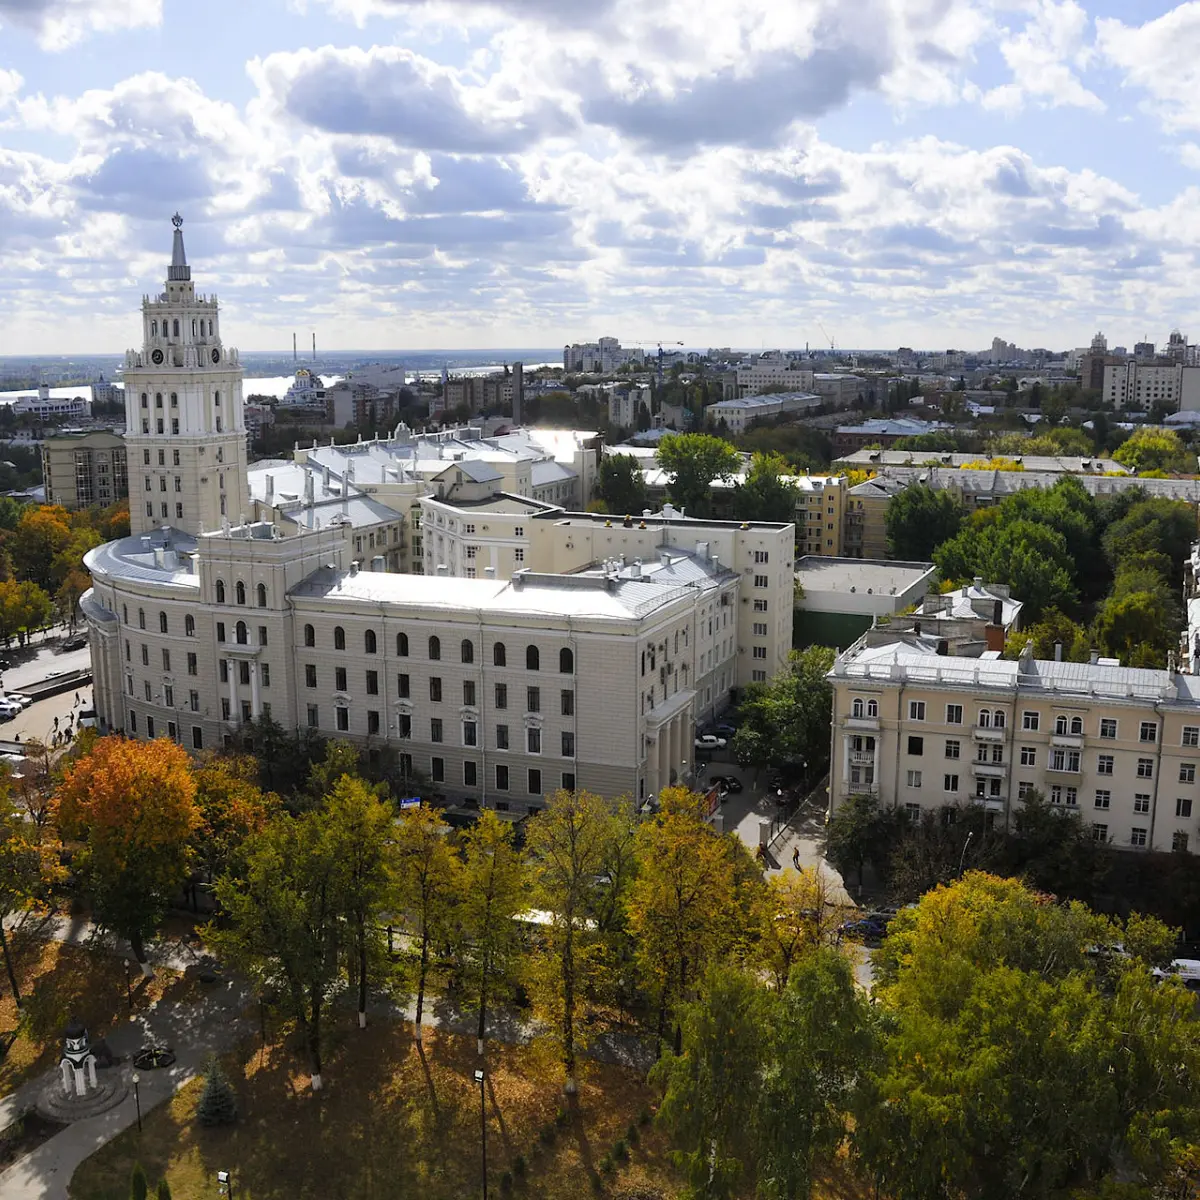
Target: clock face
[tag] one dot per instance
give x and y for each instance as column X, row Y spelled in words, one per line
column 216, row 356
column 157, row 358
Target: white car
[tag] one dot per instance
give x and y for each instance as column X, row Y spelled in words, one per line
column 9, row 709
column 710, row 741
column 18, row 698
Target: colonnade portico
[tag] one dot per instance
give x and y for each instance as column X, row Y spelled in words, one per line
column 232, row 674
column 670, row 731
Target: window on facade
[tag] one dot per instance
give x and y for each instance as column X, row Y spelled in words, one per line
column 310, row 675
column 435, row 649
column 567, row 699
column 501, row 737
column 242, row 633
column 913, row 779
column 1191, row 735
column 950, row 783
column 533, row 700
column 916, row 710
column 469, row 693
column 435, row 689
column 954, row 714
column 1028, row 756
column 1179, row 841
column 916, row 745
column 435, row 729
column 535, row 782
column 145, row 655
column 533, row 741
column 1187, row 772
column 1145, row 768
column 566, row 661
column 856, row 708
column 192, row 667
column 372, row 683
column 532, row 658
column 568, row 744
column 220, row 591
column 1030, row 721
column 339, row 638
column 402, row 645
column 1108, row 727
column 261, row 591
column 470, row 732
column 1103, row 798
column 314, row 716
column 1076, row 726
column 1148, row 731
column 498, row 655
column 501, row 695
column 872, row 708
column 502, row 779
column 402, row 687
column 953, row 749
column 470, row 775
column 1137, row 836
column 1104, row 764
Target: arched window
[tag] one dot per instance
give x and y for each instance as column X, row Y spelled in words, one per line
column 998, row 718
column 243, row 634
column 339, row 638
column 239, row 590
column 499, row 658
column 468, row 651
column 174, row 399
column 435, row 649
column 262, row 595
column 1060, row 724
column 1076, row 724
column 402, row 645
column 162, row 622
column 141, row 618
column 125, row 613
column 532, row 658
column 154, row 329
column 872, row 708
column 220, row 591
column 985, row 719
column 189, row 625
column 175, row 327
column 856, row 709
column 216, row 397
column 193, row 327
column 310, row 636
column 369, row 643
column 566, row 661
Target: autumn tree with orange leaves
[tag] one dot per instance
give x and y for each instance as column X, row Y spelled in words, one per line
column 132, row 808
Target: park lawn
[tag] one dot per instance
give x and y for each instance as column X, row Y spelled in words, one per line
column 393, row 1121
column 59, row 982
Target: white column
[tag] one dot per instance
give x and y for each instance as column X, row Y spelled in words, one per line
column 255, row 693
column 231, row 672
column 676, row 753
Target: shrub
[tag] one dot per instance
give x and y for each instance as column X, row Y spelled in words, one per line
column 163, row 1191
column 644, row 1117
column 620, row 1152
column 218, row 1104
column 139, row 1186
column 606, row 1164
column 561, row 1118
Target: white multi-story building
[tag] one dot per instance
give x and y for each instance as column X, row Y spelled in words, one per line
column 740, row 413
column 46, row 407
column 1134, row 384
column 770, row 370
column 585, row 660
column 926, row 732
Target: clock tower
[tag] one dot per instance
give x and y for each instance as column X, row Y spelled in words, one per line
column 185, row 431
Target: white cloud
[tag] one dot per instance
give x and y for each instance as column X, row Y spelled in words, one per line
column 58, row 24
column 1159, row 58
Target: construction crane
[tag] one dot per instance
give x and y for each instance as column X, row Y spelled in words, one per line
column 832, row 343
column 660, row 343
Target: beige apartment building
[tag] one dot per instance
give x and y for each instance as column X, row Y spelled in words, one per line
column 80, row 469
column 925, row 732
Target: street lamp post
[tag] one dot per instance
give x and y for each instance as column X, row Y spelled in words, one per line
column 225, row 1184
column 137, row 1099
column 963, row 857
column 128, row 988
column 479, row 1079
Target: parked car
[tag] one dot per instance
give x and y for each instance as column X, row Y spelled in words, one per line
column 865, row 929
column 725, row 730
column 8, row 710
column 19, row 698
column 710, row 741
column 725, row 783
column 75, row 643
column 87, row 718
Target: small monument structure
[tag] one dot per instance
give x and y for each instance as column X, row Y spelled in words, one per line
column 76, row 1091
column 78, row 1065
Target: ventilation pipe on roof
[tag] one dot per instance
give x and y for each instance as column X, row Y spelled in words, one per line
column 354, row 568
column 379, row 564
column 1058, row 651
column 1093, row 657
column 270, row 488
column 998, row 613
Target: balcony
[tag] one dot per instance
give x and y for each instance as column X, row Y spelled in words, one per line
column 862, row 758
column 989, row 770
column 862, row 723
column 988, row 733
column 859, row 789
column 1072, row 740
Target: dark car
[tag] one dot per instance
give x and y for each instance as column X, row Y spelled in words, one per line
column 78, row 642
column 725, row 783
column 725, row 730
column 866, row 929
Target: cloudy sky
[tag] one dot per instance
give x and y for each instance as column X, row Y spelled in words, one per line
column 495, row 173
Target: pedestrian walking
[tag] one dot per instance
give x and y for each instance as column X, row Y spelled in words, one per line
column 796, row 857
column 76, row 697
column 55, row 722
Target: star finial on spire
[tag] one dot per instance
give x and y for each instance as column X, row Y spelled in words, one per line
column 177, row 221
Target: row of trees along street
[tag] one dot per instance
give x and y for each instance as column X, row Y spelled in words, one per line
column 596, row 914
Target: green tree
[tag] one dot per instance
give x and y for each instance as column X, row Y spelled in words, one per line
column 919, row 519
column 1153, row 449
column 218, row 1102
column 693, row 462
column 860, row 832
column 1151, row 525
column 163, row 1191
column 493, row 892
column 621, row 485
column 567, row 845
column 27, row 865
column 786, row 720
column 41, row 534
column 427, row 889
column 283, row 922
column 1055, row 629
column 359, row 828
column 139, row 1186
column 767, row 494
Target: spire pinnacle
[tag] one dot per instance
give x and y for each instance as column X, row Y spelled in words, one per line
column 179, row 270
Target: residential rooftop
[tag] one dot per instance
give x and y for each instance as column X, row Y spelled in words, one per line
column 1063, row 464
column 816, row 573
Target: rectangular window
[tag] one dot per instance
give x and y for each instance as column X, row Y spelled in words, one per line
column 470, row 775
column 759, row 606
column 953, row 749
column 519, row 555
column 761, row 581
column 1104, row 764
column 262, row 635
column 223, row 670
column 914, row 779
column 220, row 631
column 568, row 744
column 568, row 781
column 1072, row 794
column 145, row 656
column 916, row 745
column 1145, row 768
column 1103, row 798
column 1141, row 802
column 954, row 714
column 314, row 717
column 197, row 738
column 194, row 701
column 535, row 782
column 1179, row 841
column 166, row 659
column 435, row 729
column 435, row 689
column 437, row 769
column 1148, row 732
column 1108, row 727
column 1030, row 721
column 1183, row 807
column 1023, row 789
column 470, row 733
column 343, row 719
column 761, row 556
column 913, row 813
column 310, row 675
column 533, row 699
column 372, row 683
column 950, row 783
column 339, row 679
column 502, row 695
column 402, row 687
column 1028, row 756
column 146, row 688
column 1056, row 794
column 1137, row 836
column 1191, row 735
column 760, row 629
column 1187, row 772
column 372, row 721
column 533, row 741
column 916, row 710
column 568, row 702
column 469, row 693
column 760, row 652
column 1100, row 833
column 1065, row 760
column 502, row 779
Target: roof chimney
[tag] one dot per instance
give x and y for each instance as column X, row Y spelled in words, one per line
column 1093, row 657
column 354, row 568
column 1058, row 651
column 998, row 613
column 270, row 488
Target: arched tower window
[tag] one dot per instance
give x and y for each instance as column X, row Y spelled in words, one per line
column 154, row 329
column 402, row 645
column 310, row 636
column 339, row 638
column 499, row 657
column 435, row 649
column 262, row 595
column 189, row 625
column 220, row 591
column 239, row 590
column 175, row 327
column 532, row 658
column 243, row 634
column 369, row 642
column 566, row 661
column 468, row 651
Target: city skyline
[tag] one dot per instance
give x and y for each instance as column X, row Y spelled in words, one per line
column 495, row 173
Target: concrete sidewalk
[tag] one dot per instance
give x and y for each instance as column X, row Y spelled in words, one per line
column 211, row 1026
column 174, row 954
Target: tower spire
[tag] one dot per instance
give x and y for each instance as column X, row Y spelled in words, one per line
column 179, row 270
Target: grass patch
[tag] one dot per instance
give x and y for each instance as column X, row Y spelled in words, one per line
column 392, row 1120
column 59, row 982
